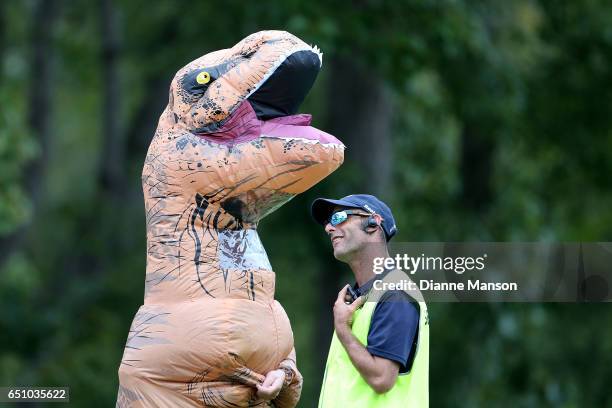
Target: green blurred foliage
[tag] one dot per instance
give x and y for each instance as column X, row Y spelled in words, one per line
column 17, row 145
column 17, row 148
column 528, row 80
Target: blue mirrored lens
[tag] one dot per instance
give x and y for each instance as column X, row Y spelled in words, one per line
column 338, row 218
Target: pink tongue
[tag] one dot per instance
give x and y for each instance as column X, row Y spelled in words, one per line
column 243, row 125
column 301, row 119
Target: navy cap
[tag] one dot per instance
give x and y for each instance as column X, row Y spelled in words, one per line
column 321, row 210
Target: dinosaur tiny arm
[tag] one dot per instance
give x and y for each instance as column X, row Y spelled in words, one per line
column 292, row 388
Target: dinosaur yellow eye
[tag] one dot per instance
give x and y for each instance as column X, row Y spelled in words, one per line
column 203, row 78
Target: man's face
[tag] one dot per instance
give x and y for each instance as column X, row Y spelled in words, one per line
column 348, row 237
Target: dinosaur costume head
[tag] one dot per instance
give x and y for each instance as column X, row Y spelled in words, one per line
column 271, row 70
column 228, row 150
column 238, row 106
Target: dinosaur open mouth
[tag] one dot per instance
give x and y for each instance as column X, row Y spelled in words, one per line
column 284, row 91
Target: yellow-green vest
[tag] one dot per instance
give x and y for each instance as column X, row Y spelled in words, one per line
column 344, row 387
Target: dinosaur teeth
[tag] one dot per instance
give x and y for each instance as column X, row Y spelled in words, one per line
column 317, row 51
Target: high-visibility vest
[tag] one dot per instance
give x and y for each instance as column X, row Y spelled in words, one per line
column 344, row 387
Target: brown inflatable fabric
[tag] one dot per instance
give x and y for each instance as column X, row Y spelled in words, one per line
column 209, row 329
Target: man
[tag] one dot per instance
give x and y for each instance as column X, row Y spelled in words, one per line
column 379, row 355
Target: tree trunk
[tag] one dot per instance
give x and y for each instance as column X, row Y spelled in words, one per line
column 112, row 164
column 361, row 114
column 2, row 32
column 144, row 122
column 143, row 125
column 39, row 114
column 40, row 93
column 476, row 167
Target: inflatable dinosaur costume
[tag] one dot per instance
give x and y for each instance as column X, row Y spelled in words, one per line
column 229, row 150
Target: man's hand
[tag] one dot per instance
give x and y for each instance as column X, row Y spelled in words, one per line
column 271, row 386
column 343, row 313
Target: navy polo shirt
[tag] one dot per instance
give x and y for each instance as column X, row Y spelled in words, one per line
column 394, row 326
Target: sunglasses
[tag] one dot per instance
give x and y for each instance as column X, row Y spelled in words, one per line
column 340, row 216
